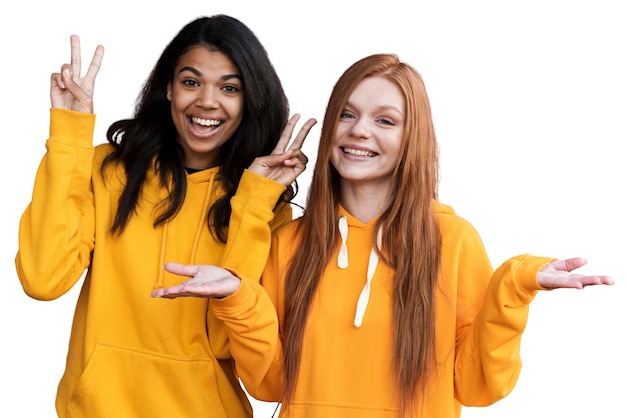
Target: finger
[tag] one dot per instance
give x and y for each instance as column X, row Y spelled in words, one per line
column 96, row 61
column 66, row 79
column 56, row 80
column 166, row 292
column 66, row 75
column 297, row 158
column 274, row 160
column 607, row 280
column 568, row 264
column 295, row 164
column 75, row 56
column 574, row 263
column 304, row 131
column 176, row 291
column 285, row 136
column 596, row 280
column 181, row 269
column 571, row 284
column 81, row 98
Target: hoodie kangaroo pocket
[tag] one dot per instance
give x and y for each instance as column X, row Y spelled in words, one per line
column 118, row 382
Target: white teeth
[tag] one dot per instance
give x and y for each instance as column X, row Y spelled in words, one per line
column 205, row 122
column 359, row 153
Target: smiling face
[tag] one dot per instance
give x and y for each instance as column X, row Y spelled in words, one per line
column 368, row 140
column 207, row 103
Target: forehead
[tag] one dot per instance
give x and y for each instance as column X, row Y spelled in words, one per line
column 378, row 91
column 204, row 59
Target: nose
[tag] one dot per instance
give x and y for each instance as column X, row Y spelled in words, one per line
column 361, row 129
column 207, row 97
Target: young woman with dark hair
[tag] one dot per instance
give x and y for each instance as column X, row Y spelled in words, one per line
column 199, row 174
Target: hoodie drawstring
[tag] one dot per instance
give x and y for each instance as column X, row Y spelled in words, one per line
column 196, row 241
column 201, row 225
column 342, row 259
column 159, row 282
column 342, row 262
column 364, row 297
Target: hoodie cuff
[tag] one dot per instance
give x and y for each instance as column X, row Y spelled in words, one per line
column 232, row 305
column 526, row 269
column 258, row 191
column 72, row 128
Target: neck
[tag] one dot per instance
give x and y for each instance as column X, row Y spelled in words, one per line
column 364, row 202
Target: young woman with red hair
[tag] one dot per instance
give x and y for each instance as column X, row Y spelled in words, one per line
column 387, row 302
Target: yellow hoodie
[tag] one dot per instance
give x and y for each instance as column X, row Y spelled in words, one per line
column 346, row 369
column 131, row 355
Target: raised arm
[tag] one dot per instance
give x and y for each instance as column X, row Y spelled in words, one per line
column 56, row 232
column 254, row 213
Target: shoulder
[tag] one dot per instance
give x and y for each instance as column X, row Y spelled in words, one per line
column 450, row 223
column 288, row 230
column 101, row 152
column 287, row 235
column 104, row 149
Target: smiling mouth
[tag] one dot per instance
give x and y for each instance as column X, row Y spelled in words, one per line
column 358, row 152
column 205, row 122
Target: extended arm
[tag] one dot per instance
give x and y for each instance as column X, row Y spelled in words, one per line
column 242, row 305
column 488, row 362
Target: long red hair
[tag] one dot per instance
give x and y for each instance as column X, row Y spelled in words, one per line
column 411, row 241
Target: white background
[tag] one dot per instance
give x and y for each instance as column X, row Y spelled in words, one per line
column 529, row 102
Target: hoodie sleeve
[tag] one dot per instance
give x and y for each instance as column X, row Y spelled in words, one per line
column 56, row 231
column 492, row 315
column 253, row 218
column 253, row 328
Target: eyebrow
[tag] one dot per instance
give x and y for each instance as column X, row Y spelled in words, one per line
column 198, row 73
column 383, row 107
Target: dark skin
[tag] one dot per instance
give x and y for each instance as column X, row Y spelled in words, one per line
column 70, row 91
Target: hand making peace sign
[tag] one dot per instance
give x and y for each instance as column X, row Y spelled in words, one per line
column 68, row 90
column 286, row 162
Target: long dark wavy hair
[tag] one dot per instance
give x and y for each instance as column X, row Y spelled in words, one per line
column 411, row 242
column 148, row 141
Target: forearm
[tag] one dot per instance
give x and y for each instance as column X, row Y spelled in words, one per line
column 488, row 359
column 250, row 226
column 252, row 326
column 56, row 229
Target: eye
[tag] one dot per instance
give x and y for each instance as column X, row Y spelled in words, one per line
column 386, row 121
column 230, row 88
column 190, row 82
column 346, row 115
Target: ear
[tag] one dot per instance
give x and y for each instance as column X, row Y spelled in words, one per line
column 169, row 92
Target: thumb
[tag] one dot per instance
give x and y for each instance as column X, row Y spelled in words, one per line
column 271, row 160
column 574, row 263
column 67, row 80
column 180, row 269
column 569, row 264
